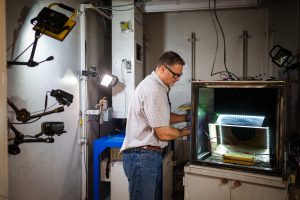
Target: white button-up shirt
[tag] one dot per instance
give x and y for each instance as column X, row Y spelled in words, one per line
column 149, row 109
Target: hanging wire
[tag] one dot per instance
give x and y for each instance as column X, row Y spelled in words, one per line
column 217, row 36
column 215, row 19
column 134, row 5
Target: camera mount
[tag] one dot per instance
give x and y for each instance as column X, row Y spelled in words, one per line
column 31, row 62
column 47, row 128
column 24, row 115
column 62, row 97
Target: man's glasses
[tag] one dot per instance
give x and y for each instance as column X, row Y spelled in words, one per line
column 175, row 75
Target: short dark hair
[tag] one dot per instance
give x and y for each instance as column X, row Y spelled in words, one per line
column 170, row 58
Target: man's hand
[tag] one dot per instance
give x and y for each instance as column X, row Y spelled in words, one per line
column 184, row 132
column 188, row 116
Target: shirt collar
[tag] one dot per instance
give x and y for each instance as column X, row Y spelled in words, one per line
column 155, row 77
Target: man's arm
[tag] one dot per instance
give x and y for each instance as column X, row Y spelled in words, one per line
column 170, row 133
column 175, row 118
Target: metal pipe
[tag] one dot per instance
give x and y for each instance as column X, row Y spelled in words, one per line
column 97, row 9
column 83, row 96
column 193, row 41
column 267, row 44
column 298, row 59
column 245, row 54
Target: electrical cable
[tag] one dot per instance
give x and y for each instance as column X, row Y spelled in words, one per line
column 29, row 122
column 29, row 136
column 135, row 5
column 217, row 35
column 116, row 6
column 213, row 14
column 224, row 42
column 45, row 109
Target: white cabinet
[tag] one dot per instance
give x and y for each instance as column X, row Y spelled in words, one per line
column 219, row 184
column 118, row 182
column 205, row 187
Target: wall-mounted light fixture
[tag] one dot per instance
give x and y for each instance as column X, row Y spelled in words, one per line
column 51, row 23
column 54, row 24
column 283, row 58
column 107, row 80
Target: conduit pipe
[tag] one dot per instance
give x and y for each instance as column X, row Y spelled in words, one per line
column 83, row 96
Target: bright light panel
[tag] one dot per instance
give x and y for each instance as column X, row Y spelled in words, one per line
column 106, row 80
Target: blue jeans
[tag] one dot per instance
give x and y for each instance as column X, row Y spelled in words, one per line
column 143, row 169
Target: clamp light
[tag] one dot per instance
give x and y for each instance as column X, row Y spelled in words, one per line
column 50, row 23
column 283, row 58
column 53, row 23
column 109, row 80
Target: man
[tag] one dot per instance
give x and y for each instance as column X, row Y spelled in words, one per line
column 148, row 128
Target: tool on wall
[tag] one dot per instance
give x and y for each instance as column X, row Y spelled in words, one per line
column 51, row 23
column 47, row 128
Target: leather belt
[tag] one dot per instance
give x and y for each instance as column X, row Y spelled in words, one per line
column 152, row 148
column 148, row 147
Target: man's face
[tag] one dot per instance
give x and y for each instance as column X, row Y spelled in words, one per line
column 171, row 74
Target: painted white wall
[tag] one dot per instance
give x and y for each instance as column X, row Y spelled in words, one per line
column 124, row 48
column 172, row 31
column 43, row 171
